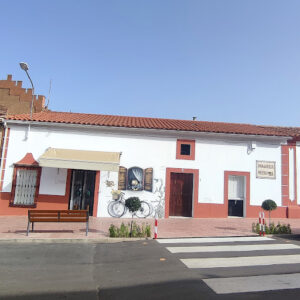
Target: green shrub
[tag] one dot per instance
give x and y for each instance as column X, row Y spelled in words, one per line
column 124, row 230
column 272, row 229
column 255, row 227
column 269, row 205
column 148, row 230
column 133, row 204
column 112, row 231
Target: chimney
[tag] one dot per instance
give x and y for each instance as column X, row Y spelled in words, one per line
column 194, row 118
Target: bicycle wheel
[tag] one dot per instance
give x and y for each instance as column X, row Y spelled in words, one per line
column 118, row 209
column 109, row 209
column 144, row 211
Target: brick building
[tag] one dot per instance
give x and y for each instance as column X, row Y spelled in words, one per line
column 14, row 99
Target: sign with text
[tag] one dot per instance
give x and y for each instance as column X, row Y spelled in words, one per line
column 265, row 169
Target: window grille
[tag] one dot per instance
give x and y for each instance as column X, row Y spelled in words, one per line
column 25, row 187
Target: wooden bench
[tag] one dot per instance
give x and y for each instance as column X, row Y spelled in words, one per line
column 58, row 216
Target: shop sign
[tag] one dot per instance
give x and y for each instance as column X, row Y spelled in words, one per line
column 265, row 169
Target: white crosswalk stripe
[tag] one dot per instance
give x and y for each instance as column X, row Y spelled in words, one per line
column 232, row 248
column 232, row 255
column 244, row 261
column 254, row 283
column 214, row 240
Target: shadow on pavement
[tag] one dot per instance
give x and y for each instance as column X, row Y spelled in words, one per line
column 291, row 237
column 86, row 295
column 184, row 289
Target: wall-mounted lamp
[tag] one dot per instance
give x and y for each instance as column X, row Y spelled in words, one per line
column 251, row 147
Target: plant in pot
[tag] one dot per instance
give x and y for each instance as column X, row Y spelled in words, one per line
column 133, row 204
column 115, row 194
column 269, row 205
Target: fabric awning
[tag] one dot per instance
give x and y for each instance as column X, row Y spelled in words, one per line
column 80, row 159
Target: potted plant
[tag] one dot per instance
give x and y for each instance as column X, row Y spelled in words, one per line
column 133, row 204
column 269, row 205
column 115, row 194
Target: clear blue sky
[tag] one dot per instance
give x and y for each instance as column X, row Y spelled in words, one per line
column 232, row 61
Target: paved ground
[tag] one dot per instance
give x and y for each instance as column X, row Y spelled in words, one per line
column 149, row 270
column 14, row 227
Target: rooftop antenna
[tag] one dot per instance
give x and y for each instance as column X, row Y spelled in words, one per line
column 49, row 93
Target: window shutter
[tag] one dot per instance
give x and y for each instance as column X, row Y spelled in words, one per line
column 148, row 179
column 122, row 178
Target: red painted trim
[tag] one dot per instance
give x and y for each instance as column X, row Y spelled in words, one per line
column 195, row 172
column 27, row 161
column 237, row 173
column 96, row 193
column 4, row 158
column 38, row 180
column 293, row 212
column 285, row 180
column 42, row 201
column 178, row 148
column 284, row 175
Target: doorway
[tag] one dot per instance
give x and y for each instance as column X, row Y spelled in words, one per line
column 82, row 190
column 236, row 195
column 181, row 194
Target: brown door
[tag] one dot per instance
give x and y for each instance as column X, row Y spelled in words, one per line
column 181, row 195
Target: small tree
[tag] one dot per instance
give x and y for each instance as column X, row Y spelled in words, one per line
column 133, row 204
column 269, row 205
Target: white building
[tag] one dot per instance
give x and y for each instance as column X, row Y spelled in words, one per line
column 183, row 168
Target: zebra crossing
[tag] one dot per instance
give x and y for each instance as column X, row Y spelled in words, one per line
column 231, row 265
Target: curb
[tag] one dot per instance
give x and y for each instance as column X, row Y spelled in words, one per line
column 208, row 236
column 72, row 241
column 284, row 235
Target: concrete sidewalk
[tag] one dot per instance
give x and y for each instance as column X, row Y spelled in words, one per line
column 14, row 227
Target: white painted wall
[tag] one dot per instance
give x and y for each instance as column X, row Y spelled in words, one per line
column 213, row 157
column 53, row 181
column 297, row 171
column 216, row 157
column 291, row 175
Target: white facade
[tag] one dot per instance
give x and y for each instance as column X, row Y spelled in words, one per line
column 214, row 154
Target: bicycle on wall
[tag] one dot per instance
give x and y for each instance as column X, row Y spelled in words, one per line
column 117, row 208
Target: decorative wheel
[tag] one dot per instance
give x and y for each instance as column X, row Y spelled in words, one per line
column 144, row 211
column 109, row 209
column 118, row 209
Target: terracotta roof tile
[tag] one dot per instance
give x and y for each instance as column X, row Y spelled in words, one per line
column 156, row 123
column 27, row 160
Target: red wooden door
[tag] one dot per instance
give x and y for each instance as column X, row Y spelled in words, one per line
column 181, row 194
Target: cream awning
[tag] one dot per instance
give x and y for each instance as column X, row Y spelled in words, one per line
column 80, row 159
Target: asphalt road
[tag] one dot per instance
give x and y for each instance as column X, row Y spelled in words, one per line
column 135, row 270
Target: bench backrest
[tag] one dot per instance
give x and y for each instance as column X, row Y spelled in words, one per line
column 58, row 215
